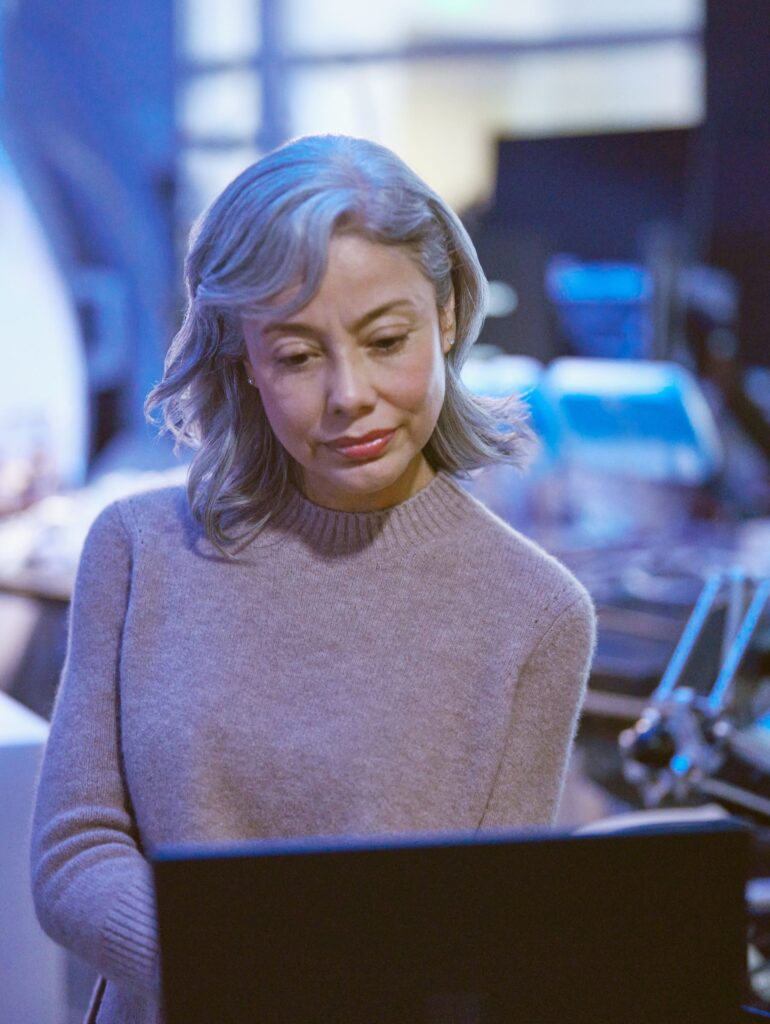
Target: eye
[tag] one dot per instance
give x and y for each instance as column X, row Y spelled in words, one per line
column 293, row 362
column 391, row 343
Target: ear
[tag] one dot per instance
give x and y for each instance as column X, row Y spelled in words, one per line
column 248, row 371
column 447, row 323
column 248, row 330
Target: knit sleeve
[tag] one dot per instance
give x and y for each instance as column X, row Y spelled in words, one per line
column 547, row 699
column 92, row 887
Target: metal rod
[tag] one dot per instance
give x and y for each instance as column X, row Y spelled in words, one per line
column 736, row 608
column 734, row 794
column 690, row 634
column 718, row 695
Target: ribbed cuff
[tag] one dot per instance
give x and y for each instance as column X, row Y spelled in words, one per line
column 131, row 938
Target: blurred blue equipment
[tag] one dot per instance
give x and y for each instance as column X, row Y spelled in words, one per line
column 647, row 420
column 602, row 308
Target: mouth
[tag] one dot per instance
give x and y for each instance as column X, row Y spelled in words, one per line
column 365, row 447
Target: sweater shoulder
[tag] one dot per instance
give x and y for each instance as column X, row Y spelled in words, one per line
column 510, row 555
column 157, row 517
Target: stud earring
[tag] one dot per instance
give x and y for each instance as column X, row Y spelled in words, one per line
column 250, row 381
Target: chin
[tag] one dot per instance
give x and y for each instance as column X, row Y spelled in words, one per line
column 365, row 478
column 356, row 482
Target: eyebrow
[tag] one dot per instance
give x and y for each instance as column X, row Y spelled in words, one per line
column 305, row 331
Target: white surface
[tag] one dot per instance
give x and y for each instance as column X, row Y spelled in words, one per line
column 19, row 726
column 659, row 816
column 43, row 391
column 337, row 24
column 32, row 967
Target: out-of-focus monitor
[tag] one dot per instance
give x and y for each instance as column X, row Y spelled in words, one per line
column 457, row 929
column 608, row 196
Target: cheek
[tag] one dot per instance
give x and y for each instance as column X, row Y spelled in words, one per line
column 422, row 385
column 289, row 411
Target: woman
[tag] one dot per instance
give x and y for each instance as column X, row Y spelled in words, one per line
column 326, row 633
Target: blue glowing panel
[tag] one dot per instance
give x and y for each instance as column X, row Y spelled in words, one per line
column 599, row 417
column 603, row 308
column 646, row 420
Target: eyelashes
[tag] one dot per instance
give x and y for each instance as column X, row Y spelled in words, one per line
column 299, row 360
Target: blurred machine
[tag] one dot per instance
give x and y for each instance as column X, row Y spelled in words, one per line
column 704, row 736
column 706, row 730
column 599, row 197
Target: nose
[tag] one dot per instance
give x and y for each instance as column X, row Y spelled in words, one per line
column 350, row 389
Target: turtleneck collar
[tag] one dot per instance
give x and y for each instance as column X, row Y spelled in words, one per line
column 429, row 513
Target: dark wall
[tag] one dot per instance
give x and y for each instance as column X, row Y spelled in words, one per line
column 734, row 176
column 596, row 197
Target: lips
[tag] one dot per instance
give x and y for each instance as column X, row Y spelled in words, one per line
column 368, row 446
column 352, row 442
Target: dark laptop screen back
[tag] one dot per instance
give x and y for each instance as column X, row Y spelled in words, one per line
column 607, row 929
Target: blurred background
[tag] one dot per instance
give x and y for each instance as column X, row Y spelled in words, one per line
column 612, row 164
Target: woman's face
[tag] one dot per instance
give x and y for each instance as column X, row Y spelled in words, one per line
column 364, row 357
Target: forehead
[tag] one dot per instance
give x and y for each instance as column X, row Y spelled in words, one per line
column 365, row 262
column 358, row 272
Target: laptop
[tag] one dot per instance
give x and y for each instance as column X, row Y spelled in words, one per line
column 485, row 928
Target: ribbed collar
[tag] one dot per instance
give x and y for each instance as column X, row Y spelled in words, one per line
column 431, row 512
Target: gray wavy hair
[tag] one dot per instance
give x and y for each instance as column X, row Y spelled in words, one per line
column 267, row 235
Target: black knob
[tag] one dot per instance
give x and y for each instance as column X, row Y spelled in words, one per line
column 652, row 744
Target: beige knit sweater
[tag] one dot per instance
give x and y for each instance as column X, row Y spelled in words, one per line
column 414, row 669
